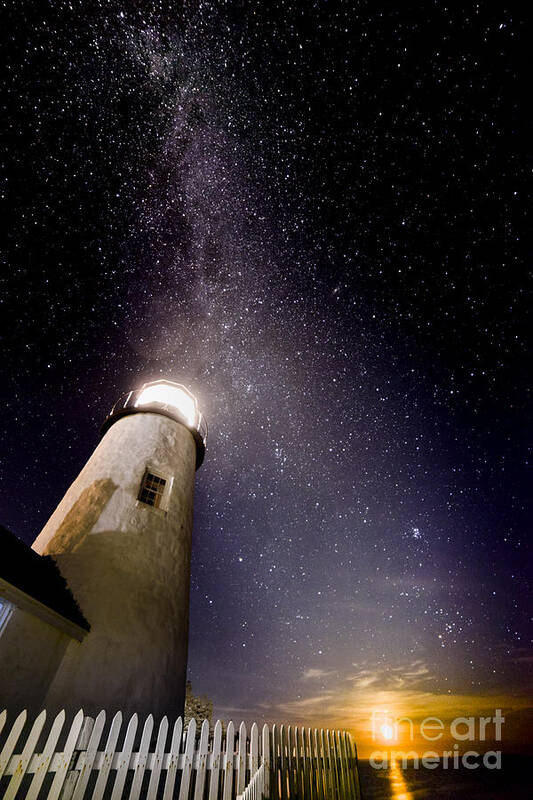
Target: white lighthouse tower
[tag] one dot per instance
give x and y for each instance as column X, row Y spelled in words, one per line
column 121, row 537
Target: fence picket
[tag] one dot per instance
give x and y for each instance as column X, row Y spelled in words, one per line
column 274, row 755
column 308, row 765
column 11, row 741
column 124, row 758
column 188, row 761
column 228, row 762
column 43, row 762
column 346, row 766
column 353, row 766
column 338, row 777
column 254, row 750
column 333, row 762
column 173, row 762
column 328, row 784
column 24, row 758
column 65, row 757
column 319, row 771
column 297, row 761
column 89, row 756
column 352, row 749
column 312, row 766
column 73, row 772
column 240, row 778
column 304, row 764
column 157, row 762
column 201, row 765
column 215, row 762
column 282, row 737
column 340, row 765
column 266, row 758
column 109, row 752
column 290, row 760
column 138, row 775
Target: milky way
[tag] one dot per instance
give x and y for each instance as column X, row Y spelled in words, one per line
column 311, row 215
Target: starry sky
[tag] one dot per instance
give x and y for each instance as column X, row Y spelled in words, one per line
column 310, row 213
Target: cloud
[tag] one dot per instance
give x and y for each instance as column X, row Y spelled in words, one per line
column 313, row 704
column 406, row 676
column 363, row 681
column 314, row 674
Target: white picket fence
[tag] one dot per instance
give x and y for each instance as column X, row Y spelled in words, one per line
column 278, row 763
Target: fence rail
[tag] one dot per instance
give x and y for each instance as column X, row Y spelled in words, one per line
column 86, row 760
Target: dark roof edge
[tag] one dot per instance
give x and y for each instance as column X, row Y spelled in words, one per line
column 39, row 577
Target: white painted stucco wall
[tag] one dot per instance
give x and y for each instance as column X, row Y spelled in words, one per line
column 30, row 653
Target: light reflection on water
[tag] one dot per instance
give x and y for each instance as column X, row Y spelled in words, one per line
column 398, row 784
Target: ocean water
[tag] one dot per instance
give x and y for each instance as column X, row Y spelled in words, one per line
column 513, row 782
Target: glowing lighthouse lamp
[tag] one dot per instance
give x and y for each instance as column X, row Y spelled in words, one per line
column 170, row 399
column 170, row 395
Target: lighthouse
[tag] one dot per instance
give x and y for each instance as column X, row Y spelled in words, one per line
column 121, row 537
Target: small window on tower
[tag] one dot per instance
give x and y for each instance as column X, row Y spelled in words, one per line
column 152, row 490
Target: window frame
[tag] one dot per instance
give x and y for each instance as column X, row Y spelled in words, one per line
column 164, row 496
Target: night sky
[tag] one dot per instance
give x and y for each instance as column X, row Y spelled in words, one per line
column 311, row 214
